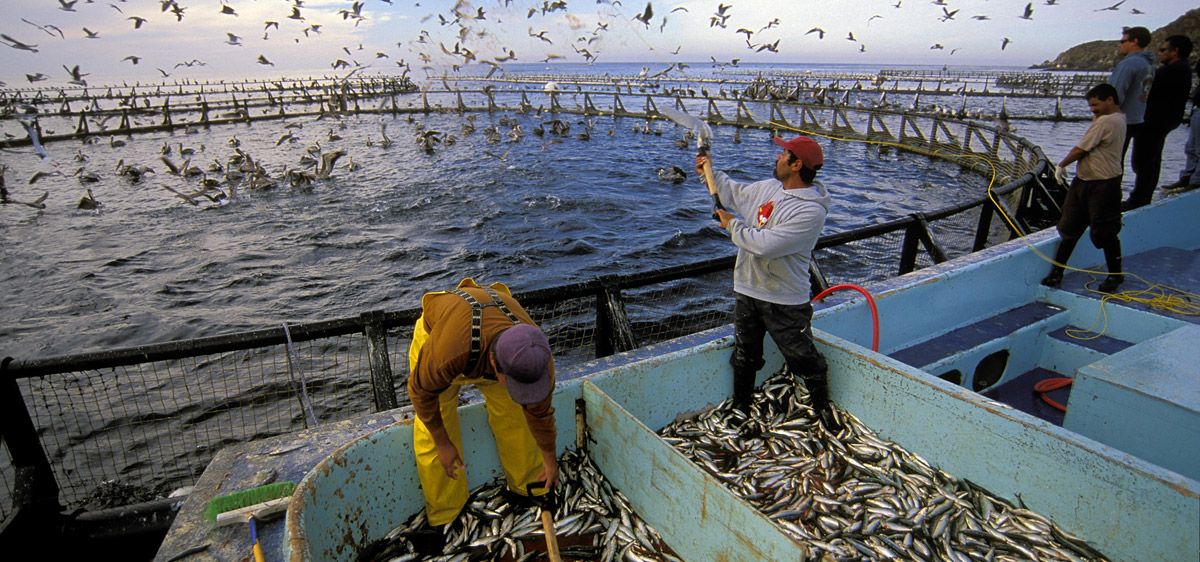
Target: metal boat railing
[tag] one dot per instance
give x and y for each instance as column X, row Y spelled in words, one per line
column 76, row 430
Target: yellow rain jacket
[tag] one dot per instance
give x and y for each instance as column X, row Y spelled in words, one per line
column 439, row 355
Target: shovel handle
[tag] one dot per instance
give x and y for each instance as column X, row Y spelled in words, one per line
column 551, row 538
column 547, row 522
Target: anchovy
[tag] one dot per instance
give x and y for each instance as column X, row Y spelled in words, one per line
column 491, row 527
column 851, row 494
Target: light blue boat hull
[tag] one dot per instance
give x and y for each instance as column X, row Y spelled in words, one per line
column 1122, row 504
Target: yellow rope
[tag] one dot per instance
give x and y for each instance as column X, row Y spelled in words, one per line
column 1155, row 296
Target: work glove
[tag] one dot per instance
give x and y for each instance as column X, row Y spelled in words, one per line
column 1060, row 174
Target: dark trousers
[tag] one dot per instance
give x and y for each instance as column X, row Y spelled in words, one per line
column 790, row 327
column 1147, row 163
column 1131, row 131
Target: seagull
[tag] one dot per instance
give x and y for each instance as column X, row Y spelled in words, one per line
column 225, row 9
column 1112, row 8
column 820, row 32
column 980, row 18
column 91, row 34
column 540, row 35
column 76, row 76
column 1005, row 43
column 719, row 18
column 233, row 40
column 850, row 36
column 1136, row 11
column 19, row 45
column 936, row 46
column 67, row 6
column 263, row 61
column 137, row 22
column 773, row 47
column 48, row 29
column 1028, row 15
column 36, row 77
column 947, row 15
column 645, row 16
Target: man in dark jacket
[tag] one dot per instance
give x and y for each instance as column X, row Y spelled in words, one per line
column 1189, row 177
column 1164, row 111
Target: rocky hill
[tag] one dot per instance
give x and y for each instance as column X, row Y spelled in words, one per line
column 1102, row 55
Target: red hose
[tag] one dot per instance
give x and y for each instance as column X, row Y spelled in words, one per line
column 870, row 303
column 1043, row 388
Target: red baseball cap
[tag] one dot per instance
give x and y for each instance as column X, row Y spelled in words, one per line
column 804, row 148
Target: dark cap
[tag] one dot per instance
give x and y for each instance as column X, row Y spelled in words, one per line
column 804, row 148
column 523, row 354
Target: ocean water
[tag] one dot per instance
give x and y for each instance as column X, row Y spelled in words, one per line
column 539, row 211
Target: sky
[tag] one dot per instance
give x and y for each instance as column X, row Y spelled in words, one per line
column 435, row 37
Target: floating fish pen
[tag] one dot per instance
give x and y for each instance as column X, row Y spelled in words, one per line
column 87, row 112
column 82, row 113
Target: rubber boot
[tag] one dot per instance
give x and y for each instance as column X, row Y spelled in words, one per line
column 743, row 389
column 429, row 540
column 1065, row 248
column 1112, row 257
column 818, row 392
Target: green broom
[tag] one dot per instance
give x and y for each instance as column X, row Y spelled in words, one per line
column 247, row 506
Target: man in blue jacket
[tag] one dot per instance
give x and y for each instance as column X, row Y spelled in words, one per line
column 1132, row 78
column 1164, row 111
column 781, row 219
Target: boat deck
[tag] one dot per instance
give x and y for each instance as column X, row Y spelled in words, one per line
column 1171, row 267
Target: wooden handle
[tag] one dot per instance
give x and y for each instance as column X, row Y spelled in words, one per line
column 708, row 178
column 712, row 188
column 551, row 538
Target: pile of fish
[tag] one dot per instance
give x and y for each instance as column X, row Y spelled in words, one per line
column 592, row 522
column 850, row 495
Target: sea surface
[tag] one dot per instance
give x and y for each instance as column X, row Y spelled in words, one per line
column 148, row 267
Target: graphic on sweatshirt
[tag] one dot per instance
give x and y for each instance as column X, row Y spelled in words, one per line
column 764, row 213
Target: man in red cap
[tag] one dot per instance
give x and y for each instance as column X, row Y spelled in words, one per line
column 781, row 219
column 480, row 336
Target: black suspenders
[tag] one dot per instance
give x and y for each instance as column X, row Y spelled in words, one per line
column 477, row 322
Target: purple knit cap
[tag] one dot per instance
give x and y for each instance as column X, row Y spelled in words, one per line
column 523, row 354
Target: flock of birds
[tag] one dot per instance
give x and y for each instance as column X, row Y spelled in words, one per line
column 218, row 182
column 461, row 35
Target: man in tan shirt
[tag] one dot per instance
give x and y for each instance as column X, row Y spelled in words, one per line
column 1094, row 198
column 481, row 336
